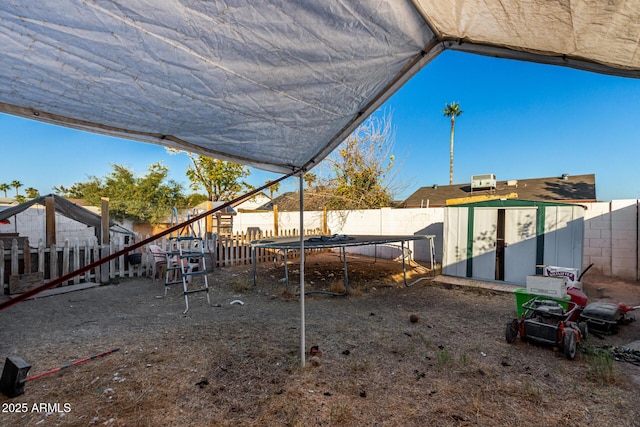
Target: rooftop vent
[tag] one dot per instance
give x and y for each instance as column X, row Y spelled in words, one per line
column 480, row 182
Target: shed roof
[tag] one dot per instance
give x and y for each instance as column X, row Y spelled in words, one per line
column 290, row 201
column 511, row 203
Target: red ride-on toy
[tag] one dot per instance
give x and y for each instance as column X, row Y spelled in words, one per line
column 545, row 321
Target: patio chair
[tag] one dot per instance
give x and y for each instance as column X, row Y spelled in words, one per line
column 159, row 263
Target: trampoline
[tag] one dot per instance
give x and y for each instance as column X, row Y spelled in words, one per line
column 342, row 242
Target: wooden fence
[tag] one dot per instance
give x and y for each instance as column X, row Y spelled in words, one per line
column 20, row 272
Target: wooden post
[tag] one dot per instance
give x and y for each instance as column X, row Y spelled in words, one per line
column 50, row 220
column 2, row 286
column 104, row 233
column 209, row 220
column 275, row 220
column 26, row 255
column 324, row 220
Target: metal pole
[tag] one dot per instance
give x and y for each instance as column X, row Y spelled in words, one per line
column 303, row 344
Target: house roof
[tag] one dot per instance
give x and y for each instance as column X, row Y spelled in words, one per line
column 565, row 188
column 278, row 84
column 290, row 202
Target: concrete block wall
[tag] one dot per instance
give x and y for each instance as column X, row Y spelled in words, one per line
column 624, row 238
column 611, row 238
column 597, row 237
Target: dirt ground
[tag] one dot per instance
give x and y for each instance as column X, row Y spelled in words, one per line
column 239, row 364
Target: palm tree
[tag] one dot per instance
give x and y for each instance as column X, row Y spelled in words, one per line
column 4, row 188
column 452, row 110
column 32, row 193
column 273, row 189
column 16, row 184
column 310, row 179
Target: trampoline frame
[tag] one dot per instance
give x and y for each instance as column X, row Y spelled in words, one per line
column 342, row 242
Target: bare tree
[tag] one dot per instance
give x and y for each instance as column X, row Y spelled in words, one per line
column 361, row 171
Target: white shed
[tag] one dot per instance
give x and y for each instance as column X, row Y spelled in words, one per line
column 507, row 240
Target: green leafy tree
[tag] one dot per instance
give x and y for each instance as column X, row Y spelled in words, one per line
column 195, row 199
column 221, row 180
column 4, row 188
column 148, row 198
column 452, row 110
column 16, row 184
column 91, row 191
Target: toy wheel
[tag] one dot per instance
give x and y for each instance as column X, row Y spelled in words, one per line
column 584, row 330
column 511, row 331
column 570, row 344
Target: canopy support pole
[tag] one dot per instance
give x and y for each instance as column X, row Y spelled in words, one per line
column 302, row 314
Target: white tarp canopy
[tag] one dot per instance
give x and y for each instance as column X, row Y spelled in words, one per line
column 274, row 84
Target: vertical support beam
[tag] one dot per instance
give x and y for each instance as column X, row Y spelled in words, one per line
column 325, row 228
column 50, row 220
column 2, row 288
column 303, row 344
column 637, row 227
column 105, row 221
column 470, row 239
column 26, row 254
column 540, row 217
column 275, row 220
column 104, row 239
column 209, row 220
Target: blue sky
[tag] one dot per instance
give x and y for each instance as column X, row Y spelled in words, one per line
column 520, row 120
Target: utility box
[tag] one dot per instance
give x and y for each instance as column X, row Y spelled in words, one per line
column 486, row 181
column 555, row 287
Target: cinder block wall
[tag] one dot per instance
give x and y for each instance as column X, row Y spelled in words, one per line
column 611, row 238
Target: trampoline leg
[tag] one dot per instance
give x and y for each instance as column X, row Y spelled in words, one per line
column 253, row 261
column 404, row 267
column 346, row 277
column 286, row 268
